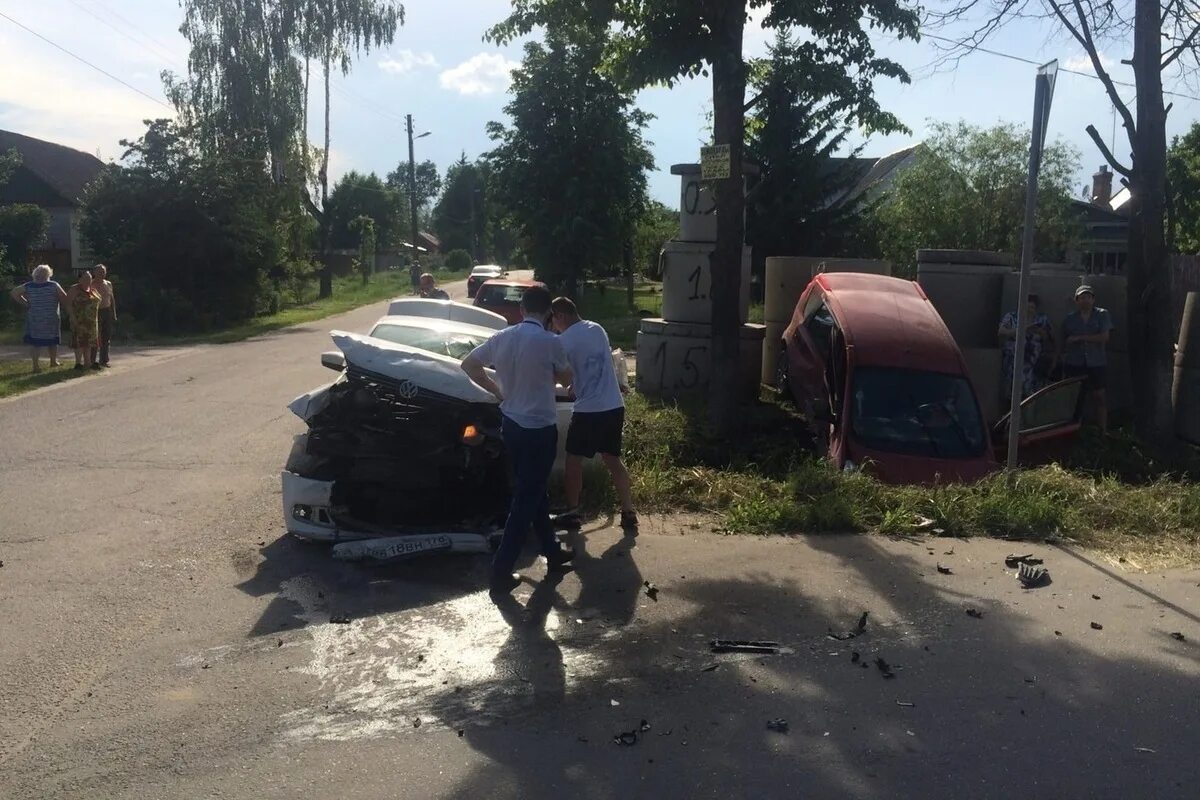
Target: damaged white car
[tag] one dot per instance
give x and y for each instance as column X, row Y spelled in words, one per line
column 403, row 453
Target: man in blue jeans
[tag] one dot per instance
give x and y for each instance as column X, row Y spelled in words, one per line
column 527, row 360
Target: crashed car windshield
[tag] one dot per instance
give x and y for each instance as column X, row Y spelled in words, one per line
column 916, row 413
column 455, row 344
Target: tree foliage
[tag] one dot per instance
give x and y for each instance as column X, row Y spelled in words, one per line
column 657, row 225
column 571, row 165
column 428, row 181
column 356, row 195
column 458, row 216
column 22, row 225
column 200, row 240
column 1183, row 172
column 801, row 205
column 966, row 190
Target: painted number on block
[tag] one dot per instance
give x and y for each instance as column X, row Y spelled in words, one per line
column 694, row 280
column 694, row 202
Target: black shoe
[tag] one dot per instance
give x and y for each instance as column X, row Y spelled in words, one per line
column 96, row 366
column 629, row 520
column 561, row 558
column 79, row 367
column 504, row 583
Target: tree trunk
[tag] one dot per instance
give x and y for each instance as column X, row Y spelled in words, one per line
column 729, row 96
column 1151, row 329
column 627, row 255
column 324, row 221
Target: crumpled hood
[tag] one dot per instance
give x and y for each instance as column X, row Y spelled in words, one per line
column 429, row 371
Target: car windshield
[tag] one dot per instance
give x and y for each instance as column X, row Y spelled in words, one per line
column 501, row 294
column 444, row 343
column 916, row 413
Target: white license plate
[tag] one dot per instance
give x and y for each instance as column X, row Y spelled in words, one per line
column 410, row 547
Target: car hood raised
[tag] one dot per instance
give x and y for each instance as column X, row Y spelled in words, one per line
column 434, row 373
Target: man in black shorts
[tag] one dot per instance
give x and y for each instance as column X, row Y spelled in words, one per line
column 599, row 416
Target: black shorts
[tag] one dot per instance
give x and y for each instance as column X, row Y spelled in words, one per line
column 1096, row 378
column 595, row 432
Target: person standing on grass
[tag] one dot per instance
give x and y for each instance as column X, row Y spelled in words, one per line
column 42, row 298
column 1084, row 342
column 599, row 417
column 430, row 290
column 108, row 311
column 83, row 304
column 527, row 359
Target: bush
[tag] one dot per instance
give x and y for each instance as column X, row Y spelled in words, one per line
column 458, row 260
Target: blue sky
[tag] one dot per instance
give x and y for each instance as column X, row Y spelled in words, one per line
column 440, row 70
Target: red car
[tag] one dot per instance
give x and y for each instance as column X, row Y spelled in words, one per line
column 504, row 297
column 884, row 385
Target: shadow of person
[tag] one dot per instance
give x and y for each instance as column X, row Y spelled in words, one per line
column 609, row 583
column 530, row 655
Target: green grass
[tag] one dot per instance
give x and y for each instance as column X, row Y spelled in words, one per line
column 608, row 304
column 16, row 377
column 765, row 482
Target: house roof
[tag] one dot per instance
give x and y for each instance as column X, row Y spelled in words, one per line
column 430, row 238
column 65, row 170
column 867, row 173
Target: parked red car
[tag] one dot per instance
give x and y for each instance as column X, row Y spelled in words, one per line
column 504, row 297
column 884, row 385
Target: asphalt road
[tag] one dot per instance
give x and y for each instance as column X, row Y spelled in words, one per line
column 160, row 637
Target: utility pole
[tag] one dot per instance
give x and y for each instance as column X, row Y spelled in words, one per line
column 412, row 187
column 1043, row 93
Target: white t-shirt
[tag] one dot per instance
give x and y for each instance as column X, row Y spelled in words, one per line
column 595, row 383
column 525, row 357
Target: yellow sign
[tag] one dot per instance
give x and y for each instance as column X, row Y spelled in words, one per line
column 714, row 162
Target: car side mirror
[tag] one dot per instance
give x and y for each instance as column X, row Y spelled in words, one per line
column 333, row 360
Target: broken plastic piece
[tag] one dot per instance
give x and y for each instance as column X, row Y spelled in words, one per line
column 1032, row 576
column 626, row 738
column 651, row 590
column 743, row 646
column 974, row 613
column 1096, row 626
column 1014, row 560
column 340, row 619
column 884, row 668
column 1179, row 637
column 854, row 657
column 778, row 725
column 644, row 726
column 905, row 704
column 944, row 570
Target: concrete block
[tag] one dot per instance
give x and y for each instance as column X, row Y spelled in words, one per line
column 788, row 276
column 687, row 283
column 674, row 359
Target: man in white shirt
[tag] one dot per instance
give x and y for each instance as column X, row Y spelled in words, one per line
column 596, row 425
column 527, row 359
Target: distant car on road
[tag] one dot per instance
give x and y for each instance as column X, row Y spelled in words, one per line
column 882, row 383
column 503, row 297
column 481, row 273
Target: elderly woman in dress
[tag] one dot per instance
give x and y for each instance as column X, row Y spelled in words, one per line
column 83, row 303
column 41, row 298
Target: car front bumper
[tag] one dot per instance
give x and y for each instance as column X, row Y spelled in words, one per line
column 308, row 515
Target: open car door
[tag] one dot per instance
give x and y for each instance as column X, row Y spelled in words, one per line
column 1049, row 417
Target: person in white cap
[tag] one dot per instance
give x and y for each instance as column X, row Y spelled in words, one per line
column 1083, row 349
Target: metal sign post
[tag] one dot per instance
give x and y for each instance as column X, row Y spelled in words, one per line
column 1043, row 93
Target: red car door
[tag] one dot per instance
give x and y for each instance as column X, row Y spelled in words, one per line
column 1050, row 418
column 809, row 351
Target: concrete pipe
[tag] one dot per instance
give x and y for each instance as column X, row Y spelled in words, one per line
column 1185, row 393
column 984, row 365
column 770, row 350
column 788, row 276
column 967, row 296
column 687, row 283
column 674, row 359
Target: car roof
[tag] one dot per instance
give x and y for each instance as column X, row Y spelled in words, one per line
column 890, row 323
column 436, row 324
column 481, row 268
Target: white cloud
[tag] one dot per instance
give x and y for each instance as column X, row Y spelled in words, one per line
column 406, row 61
column 1083, row 63
column 484, row 73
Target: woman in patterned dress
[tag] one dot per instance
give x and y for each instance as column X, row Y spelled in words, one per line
column 41, row 298
column 1038, row 335
column 83, row 303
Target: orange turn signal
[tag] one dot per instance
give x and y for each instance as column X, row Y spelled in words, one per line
column 471, row 435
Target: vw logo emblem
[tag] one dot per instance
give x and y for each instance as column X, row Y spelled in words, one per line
column 408, row 389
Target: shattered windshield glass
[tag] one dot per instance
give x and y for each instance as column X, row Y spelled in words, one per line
column 443, row 343
column 916, row 413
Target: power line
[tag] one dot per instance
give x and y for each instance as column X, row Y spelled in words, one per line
column 83, row 60
column 153, row 50
column 1032, row 62
column 158, row 44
